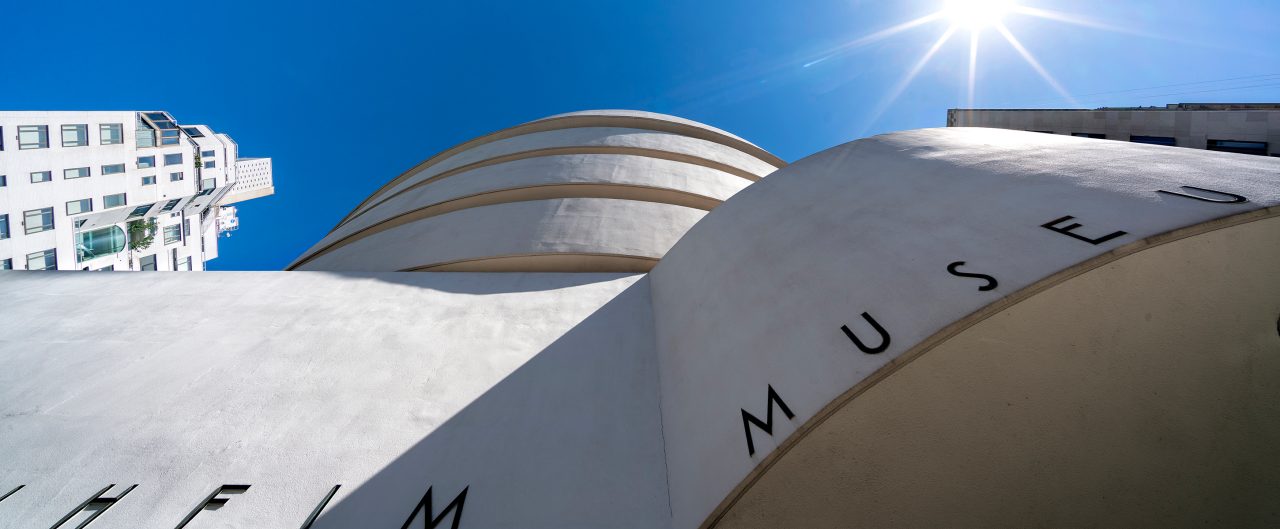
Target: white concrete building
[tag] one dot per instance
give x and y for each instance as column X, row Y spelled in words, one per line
column 73, row 183
column 1245, row 128
column 954, row 327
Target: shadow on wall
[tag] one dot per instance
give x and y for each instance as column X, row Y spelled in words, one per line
column 483, row 283
column 572, row 438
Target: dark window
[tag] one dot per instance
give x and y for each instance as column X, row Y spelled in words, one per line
column 208, row 154
column 41, row 176
column 113, row 169
column 170, row 205
column 1154, row 140
column 173, row 159
column 146, row 162
column 76, row 207
column 147, row 263
column 1089, row 135
column 1258, row 148
column 6, row 264
column 140, row 211
column 173, row 234
column 4, row 226
column 193, row 132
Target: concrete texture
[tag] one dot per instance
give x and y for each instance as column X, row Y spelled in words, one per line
column 597, row 400
column 625, row 157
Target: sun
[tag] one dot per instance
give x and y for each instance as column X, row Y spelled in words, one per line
column 977, row 15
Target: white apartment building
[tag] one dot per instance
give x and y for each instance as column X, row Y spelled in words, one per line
column 85, row 190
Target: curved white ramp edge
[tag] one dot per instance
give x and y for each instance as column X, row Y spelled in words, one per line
column 893, row 239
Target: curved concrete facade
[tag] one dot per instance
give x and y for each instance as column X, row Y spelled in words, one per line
column 935, row 328
column 613, row 156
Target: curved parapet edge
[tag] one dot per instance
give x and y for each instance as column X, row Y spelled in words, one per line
column 876, row 252
column 623, row 119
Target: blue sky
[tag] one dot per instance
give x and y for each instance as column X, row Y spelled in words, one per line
column 345, row 96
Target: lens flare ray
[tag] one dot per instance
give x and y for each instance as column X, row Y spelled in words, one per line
column 911, row 75
column 1031, row 60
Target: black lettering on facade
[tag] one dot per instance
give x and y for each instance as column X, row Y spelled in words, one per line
column 884, row 336
column 424, row 507
column 10, row 493
column 766, row 426
column 991, row 281
column 213, row 501
column 1232, row 198
column 94, row 506
column 1053, row 226
column 320, row 508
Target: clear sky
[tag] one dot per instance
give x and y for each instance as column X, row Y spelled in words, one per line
column 345, row 96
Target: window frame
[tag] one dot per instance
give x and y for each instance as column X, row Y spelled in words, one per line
column 150, row 164
column 42, row 131
column 146, row 183
column 124, row 200
column 6, row 264
column 110, row 169
column 51, row 252
column 87, row 173
column 82, row 201
column 168, row 163
column 48, row 177
column 29, row 230
column 142, row 265
column 179, row 177
column 177, row 234
column 5, row 232
column 103, row 139
column 82, row 128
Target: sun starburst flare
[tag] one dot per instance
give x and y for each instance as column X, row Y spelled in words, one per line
column 976, row 17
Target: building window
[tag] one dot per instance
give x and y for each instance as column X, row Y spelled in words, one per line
column 1258, row 148
column 1154, row 140
column 173, row 234
column 4, row 181
column 46, row 260
column 173, row 159
column 146, row 162
column 193, row 132
column 108, row 240
column 111, row 133
column 140, row 211
column 4, row 226
column 41, row 176
column 169, row 137
column 107, row 268
column 168, row 206
column 38, row 220
column 115, row 168
column 1093, row 135
column 174, row 177
column 76, row 207
column 147, row 263
column 208, row 154
column 1, row 138
column 6, row 264
column 33, row 137
column 78, row 172
column 211, row 164
column 113, row 201
column 149, row 180
column 208, row 183
column 75, row 135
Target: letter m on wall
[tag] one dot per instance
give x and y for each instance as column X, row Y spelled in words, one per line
column 767, row 425
column 424, row 507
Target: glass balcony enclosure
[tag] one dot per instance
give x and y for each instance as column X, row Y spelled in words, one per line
column 108, row 240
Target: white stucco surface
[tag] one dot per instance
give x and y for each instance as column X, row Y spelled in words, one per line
column 303, row 381
column 755, row 295
column 602, row 137
column 597, row 400
column 550, row 170
column 566, row 226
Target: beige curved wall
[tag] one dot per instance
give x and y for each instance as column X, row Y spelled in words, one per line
column 613, row 157
column 1145, row 393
